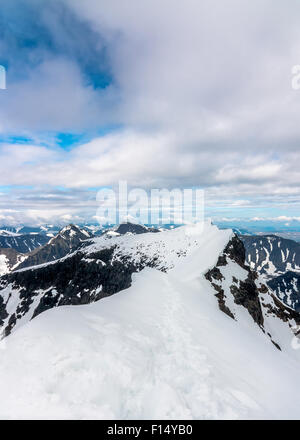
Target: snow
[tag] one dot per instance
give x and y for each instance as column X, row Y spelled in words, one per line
column 4, row 232
column 197, row 245
column 112, row 233
column 267, row 264
column 4, row 265
column 158, row 350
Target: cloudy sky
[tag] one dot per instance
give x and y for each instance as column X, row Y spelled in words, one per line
column 160, row 93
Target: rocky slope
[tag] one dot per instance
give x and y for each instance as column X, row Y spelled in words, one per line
column 247, row 290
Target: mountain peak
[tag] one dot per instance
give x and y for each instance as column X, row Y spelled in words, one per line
column 66, row 241
column 71, row 231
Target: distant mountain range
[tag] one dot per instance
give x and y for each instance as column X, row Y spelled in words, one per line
column 49, row 230
column 287, row 288
column 20, row 251
column 23, row 243
column 289, row 229
column 278, row 260
column 14, row 249
column 272, row 255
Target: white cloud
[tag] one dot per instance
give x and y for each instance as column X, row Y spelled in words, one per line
column 53, row 97
column 284, row 218
column 202, row 90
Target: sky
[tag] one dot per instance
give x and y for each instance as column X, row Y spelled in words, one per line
column 161, row 94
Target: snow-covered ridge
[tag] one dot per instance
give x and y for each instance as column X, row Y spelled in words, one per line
column 104, row 267
column 167, row 247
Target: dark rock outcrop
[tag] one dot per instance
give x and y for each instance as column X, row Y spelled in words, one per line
column 133, row 228
column 247, row 292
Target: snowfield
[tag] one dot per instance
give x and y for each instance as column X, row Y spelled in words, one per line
column 161, row 349
column 4, row 265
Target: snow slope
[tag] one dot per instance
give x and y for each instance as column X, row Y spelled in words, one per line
column 9, row 259
column 4, row 265
column 159, row 349
column 100, row 268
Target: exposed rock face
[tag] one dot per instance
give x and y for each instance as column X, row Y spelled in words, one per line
column 245, row 289
column 235, row 250
column 67, row 240
column 215, row 275
column 133, row 228
column 3, row 312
